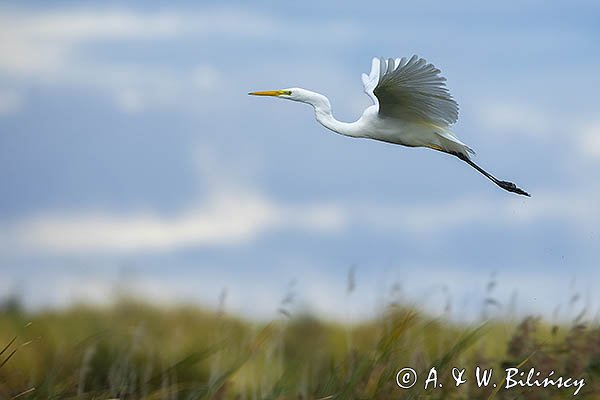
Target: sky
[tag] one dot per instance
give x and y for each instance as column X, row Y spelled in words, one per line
column 133, row 162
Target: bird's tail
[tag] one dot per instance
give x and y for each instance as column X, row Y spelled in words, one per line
column 509, row 186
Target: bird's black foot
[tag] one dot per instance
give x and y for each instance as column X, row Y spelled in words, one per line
column 511, row 187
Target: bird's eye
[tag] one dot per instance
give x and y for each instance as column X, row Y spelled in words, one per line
column 286, row 92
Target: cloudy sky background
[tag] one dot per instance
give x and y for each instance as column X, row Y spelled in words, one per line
column 132, row 160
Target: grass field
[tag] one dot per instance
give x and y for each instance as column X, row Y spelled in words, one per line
column 135, row 350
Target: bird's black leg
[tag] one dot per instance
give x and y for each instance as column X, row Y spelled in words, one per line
column 508, row 186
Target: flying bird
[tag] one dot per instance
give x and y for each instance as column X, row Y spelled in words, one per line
column 411, row 107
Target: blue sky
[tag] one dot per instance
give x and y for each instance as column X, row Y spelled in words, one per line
column 131, row 158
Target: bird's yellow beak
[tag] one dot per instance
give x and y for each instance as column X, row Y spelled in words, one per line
column 271, row 93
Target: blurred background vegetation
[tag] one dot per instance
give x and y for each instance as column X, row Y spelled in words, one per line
column 132, row 349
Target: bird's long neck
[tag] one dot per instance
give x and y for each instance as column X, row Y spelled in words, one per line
column 325, row 116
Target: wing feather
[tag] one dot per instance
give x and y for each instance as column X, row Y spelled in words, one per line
column 411, row 90
column 370, row 81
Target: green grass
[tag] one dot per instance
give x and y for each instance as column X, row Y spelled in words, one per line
column 134, row 350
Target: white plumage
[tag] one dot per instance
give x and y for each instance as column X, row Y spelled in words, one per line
column 411, row 107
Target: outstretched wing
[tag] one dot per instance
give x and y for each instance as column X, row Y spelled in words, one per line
column 410, row 90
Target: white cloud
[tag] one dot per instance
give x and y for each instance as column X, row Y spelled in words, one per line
column 513, row 118
column 225, row 219
column 86, row 25
column 46, row 48
column 43, row 45
column 589, row 140
column 129, row 101
column 207, row 78
column 230, row 218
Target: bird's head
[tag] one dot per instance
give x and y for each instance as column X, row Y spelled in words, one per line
column 297, row 94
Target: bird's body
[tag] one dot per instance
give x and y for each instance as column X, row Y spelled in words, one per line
column 406, row 133
column 412, row 107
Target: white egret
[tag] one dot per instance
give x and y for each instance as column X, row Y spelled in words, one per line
column 412, row 107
